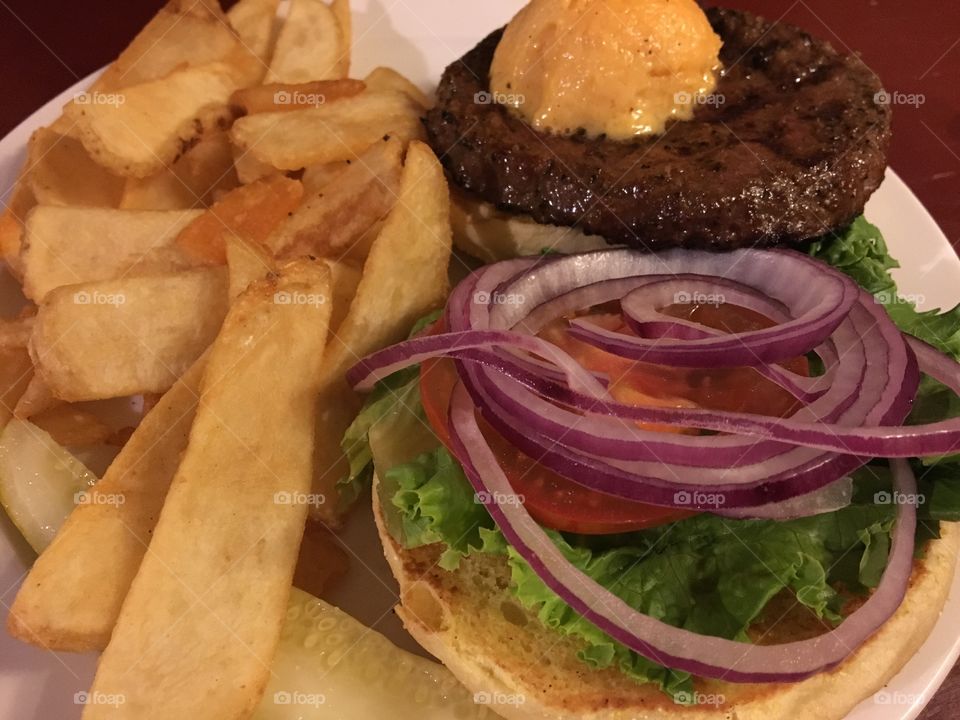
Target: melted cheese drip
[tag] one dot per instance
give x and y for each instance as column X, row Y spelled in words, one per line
column 619, row 68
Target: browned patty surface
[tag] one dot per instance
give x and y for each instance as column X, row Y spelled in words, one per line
column 790, row 147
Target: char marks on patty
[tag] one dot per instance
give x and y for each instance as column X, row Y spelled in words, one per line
column 790, row 146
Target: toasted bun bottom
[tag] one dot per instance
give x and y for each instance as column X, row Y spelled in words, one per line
column 470, row 620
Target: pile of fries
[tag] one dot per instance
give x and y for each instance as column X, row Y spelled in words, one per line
column 221, row 225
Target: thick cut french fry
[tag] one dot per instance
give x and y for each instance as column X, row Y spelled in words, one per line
column 341, row 11
column 72, row 597
column 344, row 280
column 257, row 25
column 140, row 130
column 247, row 263
column 316, row 178
column 184, row 33
column 338, row 131
column 285, row 97
column 383, row 79
column 66, row 246
column 61, row 172
column 310, row 45
column 249, row 169
column 193, row 639
column 125, row 337
column 416, row 235
column 193, row 181
column 329, row 222
column 252, row 212
column 36, row 398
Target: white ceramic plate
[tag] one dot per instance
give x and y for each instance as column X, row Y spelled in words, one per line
column 420, row 38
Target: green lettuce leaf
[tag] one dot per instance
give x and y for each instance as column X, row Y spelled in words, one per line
column 711, row 575
column 436, row 504
column 707, row 574
column 400, row 389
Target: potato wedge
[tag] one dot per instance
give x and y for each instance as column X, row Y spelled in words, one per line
column 344, row 280
column 193, row 181
column 316, row 177
column 416, row 235
column 257, row 25
column 72, row 597
column 61, row 172
column 251, row 212
column 140, row 130
column 36, row 398
column 249, row 169
column 341, row 11
column 331, row 221
column 66, row 246
column 285, row 97
column 201, row 622
column 247, row 262
column 129, row 336
column 384, row 79
column 310, row 45
column 184, row 33
column 338, row 131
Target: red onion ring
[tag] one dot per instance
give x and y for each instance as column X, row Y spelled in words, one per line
column 682, row 650
column 555, row 411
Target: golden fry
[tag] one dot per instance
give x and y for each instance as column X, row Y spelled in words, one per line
column 329, row 133
column 330, row 221
column 284, row 97
column 251, row 212
column 194, row 639
column 72, row 597
column 416, row 235
column 129, row 336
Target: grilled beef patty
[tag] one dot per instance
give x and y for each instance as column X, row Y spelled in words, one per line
column 790, row 146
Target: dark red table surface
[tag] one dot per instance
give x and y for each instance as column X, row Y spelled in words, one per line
column 914, row 46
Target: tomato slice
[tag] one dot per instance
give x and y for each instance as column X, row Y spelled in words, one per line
column 559, row 503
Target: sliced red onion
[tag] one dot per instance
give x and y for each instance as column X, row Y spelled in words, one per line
column 701, row 655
